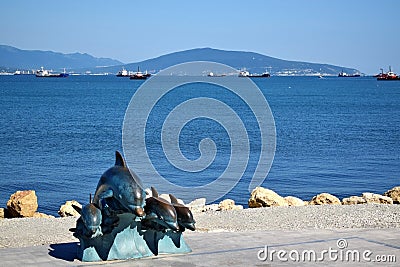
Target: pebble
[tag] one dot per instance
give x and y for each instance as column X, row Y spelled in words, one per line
column 304, row 217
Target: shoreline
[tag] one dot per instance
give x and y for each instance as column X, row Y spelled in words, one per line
column 24, row 232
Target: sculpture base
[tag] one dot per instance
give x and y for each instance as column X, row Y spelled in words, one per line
column 129, row 240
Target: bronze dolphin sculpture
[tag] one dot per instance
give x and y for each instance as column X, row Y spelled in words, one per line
column 161, row 212
column 185, row 216
column 120, row 190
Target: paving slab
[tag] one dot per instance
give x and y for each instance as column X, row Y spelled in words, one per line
column 349, row 247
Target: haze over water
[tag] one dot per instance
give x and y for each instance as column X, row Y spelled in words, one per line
column 333, row 135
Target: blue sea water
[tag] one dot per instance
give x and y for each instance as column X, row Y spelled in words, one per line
column 336, row 135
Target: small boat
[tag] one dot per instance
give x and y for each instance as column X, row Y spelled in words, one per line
column 139, row 75
column 388, row 76
column 45, row 73
column 344, row 74
column 123, row 73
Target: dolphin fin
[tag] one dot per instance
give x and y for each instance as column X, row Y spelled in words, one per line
column 152, row 238
column 77, row 208
column 176, row 238
column 119, row 160
column 173, row 199
column 154, row 192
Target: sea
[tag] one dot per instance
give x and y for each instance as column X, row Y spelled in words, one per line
column 336, row 135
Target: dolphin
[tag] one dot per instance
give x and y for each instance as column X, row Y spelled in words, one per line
column 185, row 216
column 89, row 224
column 120, row 189
column 161, row 212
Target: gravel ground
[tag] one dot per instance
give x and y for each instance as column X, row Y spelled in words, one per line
column 24, row 232
column 297, row 218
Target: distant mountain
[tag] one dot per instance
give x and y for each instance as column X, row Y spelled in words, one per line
column 12, row 57
column 253, row 62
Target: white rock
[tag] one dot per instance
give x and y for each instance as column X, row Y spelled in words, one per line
column 353, row 200
column 394, row 194
column 197, row 205
column 67, row 210
column 324, row 199
column 376, row 198
column 211, row 207
column 263, row 197
column 294, row 201
column 226, row 204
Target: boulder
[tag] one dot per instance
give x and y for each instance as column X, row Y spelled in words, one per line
column 294, row 201
column 2, row 213
column 372, row 198
column 263, row 197
column 394, row 194
column 353, row 200
column 197, row 205
column 42, row 215
column 22, row 204
column 67, row 210
column 227, row 204
column 324, row 199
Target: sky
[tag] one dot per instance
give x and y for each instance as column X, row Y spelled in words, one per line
column 361, row 34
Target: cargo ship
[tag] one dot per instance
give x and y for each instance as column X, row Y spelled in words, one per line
column 42, row 73
column 388, row 76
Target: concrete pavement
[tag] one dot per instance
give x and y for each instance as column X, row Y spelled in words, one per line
column 351, row 247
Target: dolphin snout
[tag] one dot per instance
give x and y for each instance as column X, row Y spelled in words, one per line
column 190, row 226
column 173, row 225
column 92, row 229
column 137, row 210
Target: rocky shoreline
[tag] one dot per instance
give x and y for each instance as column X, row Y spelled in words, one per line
column 263, row 197
column 24, row 203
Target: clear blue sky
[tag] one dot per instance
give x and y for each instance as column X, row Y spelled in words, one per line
column 362, row 34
